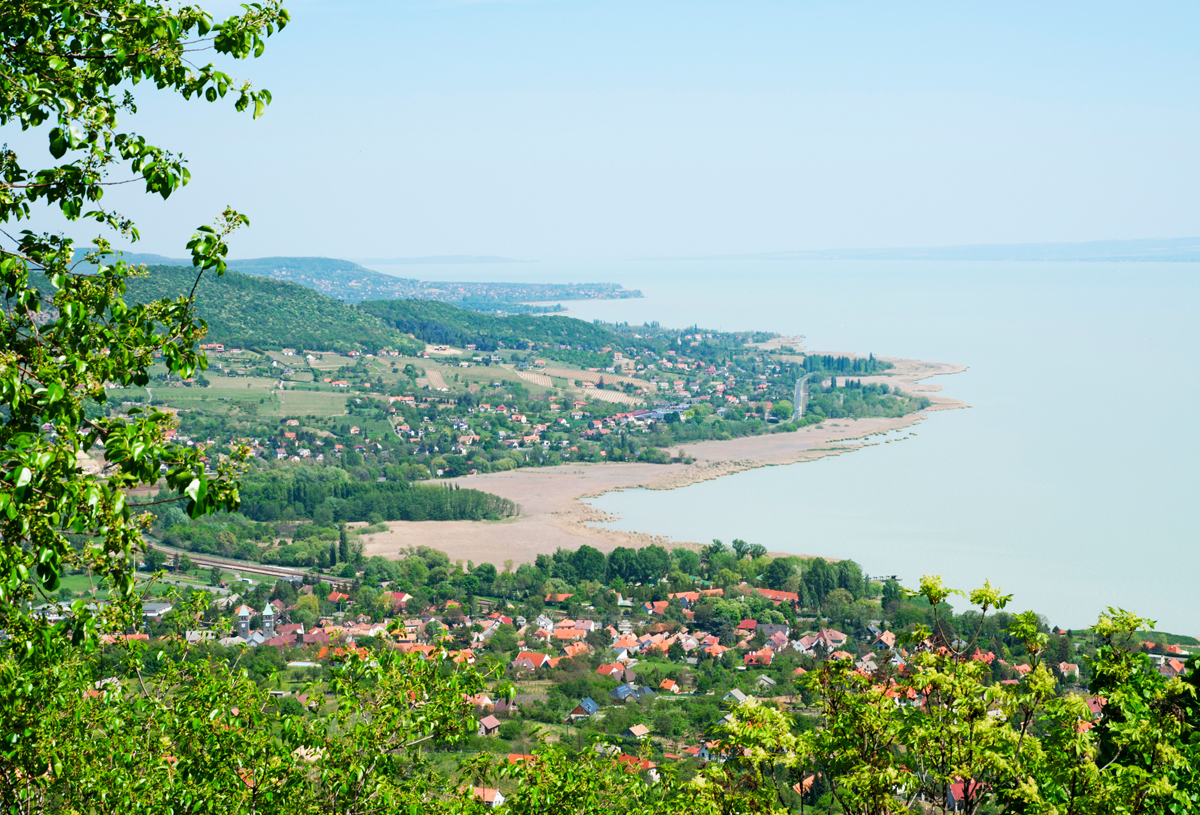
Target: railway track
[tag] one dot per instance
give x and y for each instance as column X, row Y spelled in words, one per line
column 243, row 567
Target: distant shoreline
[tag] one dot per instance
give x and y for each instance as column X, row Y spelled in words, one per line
column 554, row 512
column 437, row 259
column 1156, row 250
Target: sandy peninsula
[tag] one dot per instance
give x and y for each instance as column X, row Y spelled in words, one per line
column 554, row 515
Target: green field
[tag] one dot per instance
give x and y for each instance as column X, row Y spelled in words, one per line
column 323, row 362
column 310, row 403
column 255, row 393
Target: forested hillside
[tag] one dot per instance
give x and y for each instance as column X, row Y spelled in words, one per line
column 443, row 323
column 243, row 310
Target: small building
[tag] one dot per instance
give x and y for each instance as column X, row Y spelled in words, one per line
column 637, row 732
column 760, row 658
column 631, row 693
column 490, row 797
column 584, row 710
column 886, row 641
column 489, row 726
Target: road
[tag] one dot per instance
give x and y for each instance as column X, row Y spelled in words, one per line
column 801, row 400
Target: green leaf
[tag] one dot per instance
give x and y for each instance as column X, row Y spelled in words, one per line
column 58, row 142
column 48, row 575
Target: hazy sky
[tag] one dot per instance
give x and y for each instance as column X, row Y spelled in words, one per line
column 613, row 129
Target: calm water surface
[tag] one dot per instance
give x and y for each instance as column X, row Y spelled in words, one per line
column 1071, row 481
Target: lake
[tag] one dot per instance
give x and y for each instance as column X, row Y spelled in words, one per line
column 1071, row 480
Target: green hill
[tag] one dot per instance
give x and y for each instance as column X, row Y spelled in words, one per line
column 242, row 310
column 442, row 323
column 351, row 283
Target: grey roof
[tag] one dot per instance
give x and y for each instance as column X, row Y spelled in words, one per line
column 621, row 692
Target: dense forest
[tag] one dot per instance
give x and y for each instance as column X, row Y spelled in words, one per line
column 442, row 323
column 242, row 310
column 315, row 492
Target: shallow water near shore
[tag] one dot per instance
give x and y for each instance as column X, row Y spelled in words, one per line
column 1070, row 481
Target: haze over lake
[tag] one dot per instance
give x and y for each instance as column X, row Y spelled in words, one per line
column 1070, row 480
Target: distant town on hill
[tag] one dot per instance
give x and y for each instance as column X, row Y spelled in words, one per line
column 351, row 283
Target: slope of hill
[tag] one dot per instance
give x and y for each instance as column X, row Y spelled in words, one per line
column 444, row 323
column 243, row 310
column 351, row 283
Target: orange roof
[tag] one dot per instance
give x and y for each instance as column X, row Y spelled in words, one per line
column 537, row 659
column 486, row 794
column 634, row 764
column 575, row 649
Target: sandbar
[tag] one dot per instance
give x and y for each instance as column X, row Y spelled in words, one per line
column 554, row 514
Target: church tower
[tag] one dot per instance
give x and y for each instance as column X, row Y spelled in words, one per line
column 243, row 620
column 268, row 616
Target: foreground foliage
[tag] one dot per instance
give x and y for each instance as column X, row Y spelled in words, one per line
column 185, row 732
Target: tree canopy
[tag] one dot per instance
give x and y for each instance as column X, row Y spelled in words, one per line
column 75, row 71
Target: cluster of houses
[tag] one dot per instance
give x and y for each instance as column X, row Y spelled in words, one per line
column 286, row 446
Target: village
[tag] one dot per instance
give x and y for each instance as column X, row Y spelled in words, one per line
column 649, row 681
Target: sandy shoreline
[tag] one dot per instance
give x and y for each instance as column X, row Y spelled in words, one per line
column 554, row 515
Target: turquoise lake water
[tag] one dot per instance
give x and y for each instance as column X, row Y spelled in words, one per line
column 1070, row 482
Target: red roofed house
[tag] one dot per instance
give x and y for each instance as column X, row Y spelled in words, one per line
column 611, row 669
column 885, row 641
column 760, row 658
column 778, row 597
column 532, row 660
column 961, row 793
column 1172, row 667
column 491, row 798
column 575, row 649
